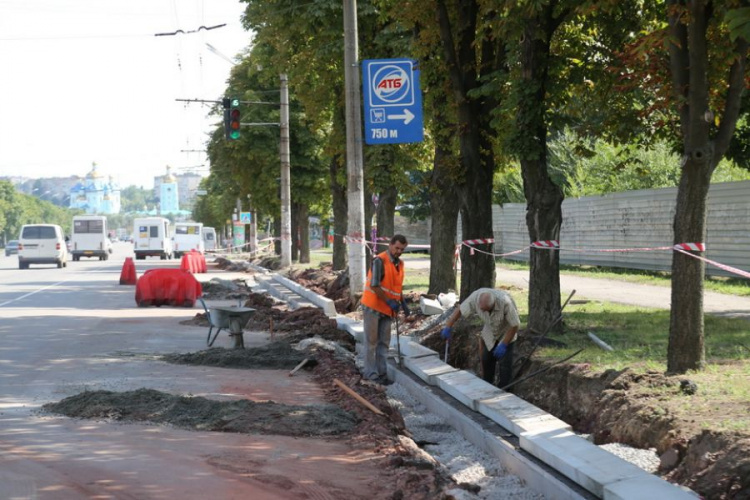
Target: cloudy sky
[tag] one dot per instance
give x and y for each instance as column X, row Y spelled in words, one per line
column 87, row 81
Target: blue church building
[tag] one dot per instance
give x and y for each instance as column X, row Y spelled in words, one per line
column 96, row 194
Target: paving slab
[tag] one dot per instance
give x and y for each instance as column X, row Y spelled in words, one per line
column 466, row 387
column 582, row 461
column 326, row 304
column 647, row 487
column 428, row 368
column 353, row 326
column 519, row 416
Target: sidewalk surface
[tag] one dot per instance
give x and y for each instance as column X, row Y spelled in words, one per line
column 621, row 292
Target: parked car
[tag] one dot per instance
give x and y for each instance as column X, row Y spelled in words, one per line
column 11, row 248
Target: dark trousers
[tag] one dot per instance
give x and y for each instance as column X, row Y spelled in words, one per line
column 505, row 373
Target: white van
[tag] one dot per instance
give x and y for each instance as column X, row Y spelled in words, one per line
column 209, row 238
column 188, row 236
column 89, row 238
column 42, row 244
column 151, row 237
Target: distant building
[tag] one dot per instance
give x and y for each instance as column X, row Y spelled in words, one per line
column 187, row 184
column 168, row 193
column 96, row 194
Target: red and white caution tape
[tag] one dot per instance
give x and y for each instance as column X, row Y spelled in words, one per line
column 546, row 244
column 695, row 247
column 479, row 241
column 725, row 267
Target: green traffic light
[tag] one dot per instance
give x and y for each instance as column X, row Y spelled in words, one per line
column 234, row 134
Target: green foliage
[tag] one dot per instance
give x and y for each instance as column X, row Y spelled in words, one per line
column 17, row 209
column 738, row 23
column 136, row 199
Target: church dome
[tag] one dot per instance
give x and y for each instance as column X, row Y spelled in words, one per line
column 168, row 177
column 93, row 174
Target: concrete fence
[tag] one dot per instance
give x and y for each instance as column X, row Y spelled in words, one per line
column 635, row 219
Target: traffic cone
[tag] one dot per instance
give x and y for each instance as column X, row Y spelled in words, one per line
column 127, row 275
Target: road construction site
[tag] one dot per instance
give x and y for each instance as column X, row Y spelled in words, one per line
column 105, row 399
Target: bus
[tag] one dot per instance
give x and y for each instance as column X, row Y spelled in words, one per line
column 90, row 238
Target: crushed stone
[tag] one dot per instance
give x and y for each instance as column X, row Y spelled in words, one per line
column 465, row 464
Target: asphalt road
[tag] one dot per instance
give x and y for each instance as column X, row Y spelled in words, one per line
column 65, row 331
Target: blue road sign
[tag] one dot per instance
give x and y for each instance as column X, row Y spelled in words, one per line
column 246, row 217
column 393, row 101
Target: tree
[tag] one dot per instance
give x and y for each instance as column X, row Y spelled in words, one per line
column 471, row 59
column 707, row 100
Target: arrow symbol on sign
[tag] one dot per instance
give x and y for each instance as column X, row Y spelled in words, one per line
column 408, row 116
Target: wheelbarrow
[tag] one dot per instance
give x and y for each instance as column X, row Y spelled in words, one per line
column 233, row 319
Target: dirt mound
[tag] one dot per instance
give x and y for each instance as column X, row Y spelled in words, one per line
column 199, row 319
column 713, row 454
column 277, row 355
column 294, row 325
column 328, row 283
column 415, row 474
column 224, row 289
column 197, row 413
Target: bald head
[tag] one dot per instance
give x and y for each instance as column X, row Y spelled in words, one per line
column 486, row 302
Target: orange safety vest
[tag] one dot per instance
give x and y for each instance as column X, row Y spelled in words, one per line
column 391, row 284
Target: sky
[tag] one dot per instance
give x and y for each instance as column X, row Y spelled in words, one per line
column 84, row 81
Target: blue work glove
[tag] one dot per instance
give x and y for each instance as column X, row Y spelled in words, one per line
column 446, row 332
column 499, row 351
column 393, row 304
column 405, row 307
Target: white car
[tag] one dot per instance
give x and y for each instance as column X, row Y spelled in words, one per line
column 42, row 244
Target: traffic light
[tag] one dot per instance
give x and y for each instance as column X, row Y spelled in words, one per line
column 231, row 118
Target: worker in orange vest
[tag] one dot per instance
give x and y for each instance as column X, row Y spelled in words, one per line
column 381, row 301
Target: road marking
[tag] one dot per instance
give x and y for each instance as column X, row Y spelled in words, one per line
column 32, row 293
column 95, row 269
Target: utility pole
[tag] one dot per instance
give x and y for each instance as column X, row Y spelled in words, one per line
column 286, row 212
column 354, row 159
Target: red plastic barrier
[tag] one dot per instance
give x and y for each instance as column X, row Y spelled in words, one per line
column 128, row 275
column 174, row 287
column 194, row 262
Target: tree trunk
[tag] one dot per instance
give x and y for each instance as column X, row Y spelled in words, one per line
column 467, row 65
column 386, row 214
column 444, row 210
column 703, row 147
column 294, row 232
column 543, row 197
column 475, row 196
column 686, row 332
column 340, row 215
column 304, row 234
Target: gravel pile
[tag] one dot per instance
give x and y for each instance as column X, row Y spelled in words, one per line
column 647, row 460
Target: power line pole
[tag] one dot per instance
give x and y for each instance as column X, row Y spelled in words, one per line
column 286, row 213
column 354, row 159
